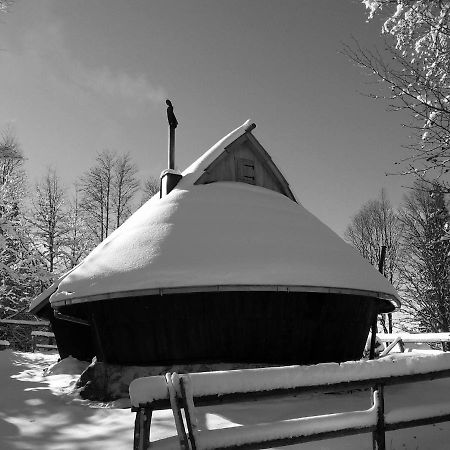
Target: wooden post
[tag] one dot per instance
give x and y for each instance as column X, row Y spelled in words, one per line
column 187, row 415
column 98, row 341
column 142, row 428
column 381, row 270
column 374, row 323
column 171, row 149
column 382, row 258
column 373, row 336
column 379, row 435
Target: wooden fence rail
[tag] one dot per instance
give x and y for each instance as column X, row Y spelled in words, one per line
column 182, row 392
column 48, row 336
column 21, row 334
column 404, row 338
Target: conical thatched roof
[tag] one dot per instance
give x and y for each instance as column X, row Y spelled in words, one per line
column 220, row 236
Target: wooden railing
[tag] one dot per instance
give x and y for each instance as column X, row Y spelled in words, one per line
column 48, row 336
column 22, row 335
column 182, row 392
column 403, row 338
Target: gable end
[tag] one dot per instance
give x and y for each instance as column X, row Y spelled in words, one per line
column 246, row 161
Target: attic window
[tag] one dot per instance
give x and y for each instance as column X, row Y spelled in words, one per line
column 245, row 170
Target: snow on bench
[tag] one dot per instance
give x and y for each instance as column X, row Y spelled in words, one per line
column 4, row 344
column 143, row 390
column 158, row 392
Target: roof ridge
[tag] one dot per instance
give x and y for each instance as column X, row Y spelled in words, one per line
column 196, row 169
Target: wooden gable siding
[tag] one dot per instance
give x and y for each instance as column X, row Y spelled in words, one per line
column 246, row 161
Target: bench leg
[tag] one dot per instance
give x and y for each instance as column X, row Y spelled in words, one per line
column 187, row 414
column 379, row 435
column 142, row 428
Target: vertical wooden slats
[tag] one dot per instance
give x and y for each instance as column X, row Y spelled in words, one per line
column 240, row 327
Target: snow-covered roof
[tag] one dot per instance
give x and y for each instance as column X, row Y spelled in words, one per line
column 220, row 236
column 42, row 299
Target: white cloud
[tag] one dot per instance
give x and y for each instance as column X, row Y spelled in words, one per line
column 133, row 87
column 47, row 48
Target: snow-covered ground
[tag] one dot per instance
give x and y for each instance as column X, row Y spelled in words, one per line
column 39, row 409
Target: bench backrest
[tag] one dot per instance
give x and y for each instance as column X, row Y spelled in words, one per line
column 187, row 390
column 208, row 386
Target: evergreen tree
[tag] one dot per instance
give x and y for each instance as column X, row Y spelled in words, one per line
column 22, row 272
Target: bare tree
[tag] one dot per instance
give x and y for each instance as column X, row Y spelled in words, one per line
column 125, row 187
column 425, row 264
column 108, row 191
column 48, row 218
column 97, row 187
column 150, row 188
column 376, row 225
column 78, row 240
column 412, row 71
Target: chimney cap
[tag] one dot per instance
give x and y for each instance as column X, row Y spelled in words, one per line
column 172, row 171
column 250, row 127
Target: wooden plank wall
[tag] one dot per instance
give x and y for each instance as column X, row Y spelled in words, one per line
column 227, row 167
column 254, row 327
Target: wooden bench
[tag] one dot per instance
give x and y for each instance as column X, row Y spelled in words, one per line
column 183, row 393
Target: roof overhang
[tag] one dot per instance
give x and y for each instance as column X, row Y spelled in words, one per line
column 227, row 288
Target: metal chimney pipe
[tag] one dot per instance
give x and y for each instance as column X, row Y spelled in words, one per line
column 170, row 178
column 171, row 148
column 173, row 123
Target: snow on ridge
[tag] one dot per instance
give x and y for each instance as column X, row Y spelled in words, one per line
column 195, row 170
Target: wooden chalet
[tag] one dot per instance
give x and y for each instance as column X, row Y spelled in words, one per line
column 224, row 265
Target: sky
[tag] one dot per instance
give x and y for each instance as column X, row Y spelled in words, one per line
column 81, row 76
